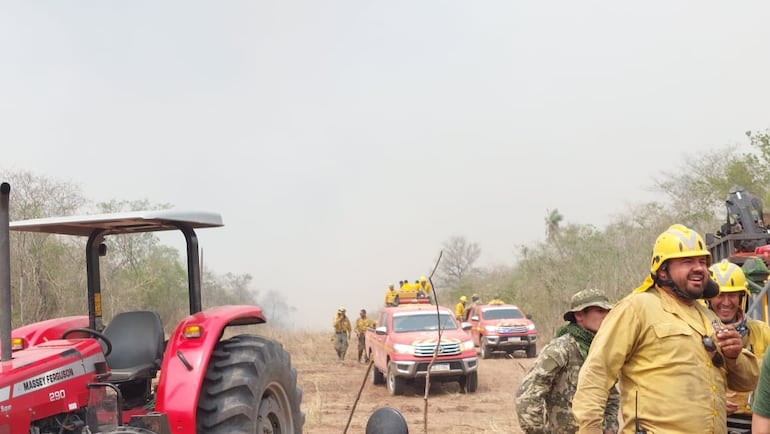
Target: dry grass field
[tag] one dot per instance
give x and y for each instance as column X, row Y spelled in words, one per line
column 330, row 389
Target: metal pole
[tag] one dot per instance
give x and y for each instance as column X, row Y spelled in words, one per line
column 5, row 275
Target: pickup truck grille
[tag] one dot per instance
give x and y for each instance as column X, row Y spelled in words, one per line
column 515, row 329
column 445, row 349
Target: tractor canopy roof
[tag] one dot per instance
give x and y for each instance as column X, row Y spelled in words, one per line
column 96, row 227
column 120, row 223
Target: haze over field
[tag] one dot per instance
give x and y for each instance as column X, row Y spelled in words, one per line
column 344, row 141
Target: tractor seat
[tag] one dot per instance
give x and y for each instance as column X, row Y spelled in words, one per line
column 137, row 345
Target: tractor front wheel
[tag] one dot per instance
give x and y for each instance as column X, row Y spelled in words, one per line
column 250, row 387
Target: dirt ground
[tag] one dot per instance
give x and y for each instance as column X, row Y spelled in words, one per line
column 330, row 389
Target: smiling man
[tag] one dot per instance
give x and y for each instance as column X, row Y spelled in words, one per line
column 730, row 306
column 672, row 357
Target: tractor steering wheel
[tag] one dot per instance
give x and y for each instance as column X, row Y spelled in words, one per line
column 93, row 333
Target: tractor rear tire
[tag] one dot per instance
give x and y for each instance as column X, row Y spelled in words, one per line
column 250, row 387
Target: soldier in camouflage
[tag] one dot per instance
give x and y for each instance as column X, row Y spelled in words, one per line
column 544, row 399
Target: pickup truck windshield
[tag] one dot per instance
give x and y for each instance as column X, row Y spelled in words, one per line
column 509, row 313
column 422, row 322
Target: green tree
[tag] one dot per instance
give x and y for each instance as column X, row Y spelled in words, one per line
column 42, row 280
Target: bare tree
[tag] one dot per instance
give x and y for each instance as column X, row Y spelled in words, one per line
column 457, row 262
column 277, row 310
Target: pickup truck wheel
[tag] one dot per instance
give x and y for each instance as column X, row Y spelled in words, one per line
column 377, row 376
column 395, row 384
column 531, row 351
column 250, row 387
column 484, row 350
column 470, row 382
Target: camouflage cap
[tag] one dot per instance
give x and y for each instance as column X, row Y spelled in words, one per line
column 584, row 299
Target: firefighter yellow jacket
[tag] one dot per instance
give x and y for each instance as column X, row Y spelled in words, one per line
column 756, row 341
column 390, row 297
column 653, row 345
column 460, row 310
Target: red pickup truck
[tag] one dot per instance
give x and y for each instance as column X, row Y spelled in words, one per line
column 502, row 327
column 403, row 343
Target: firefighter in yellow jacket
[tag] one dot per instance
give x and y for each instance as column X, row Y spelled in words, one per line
column 391, row 296
column 424, row 289
column 730, row 306
column 342, row 331
column 460, row 308
column 671, row 356
column 362, row 323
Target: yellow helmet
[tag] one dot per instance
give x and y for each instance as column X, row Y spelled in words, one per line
column 463, row 298
column 678, row 241
column 729, row 276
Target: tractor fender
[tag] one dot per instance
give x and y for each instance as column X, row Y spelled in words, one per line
column 48, row 330
column 185, row 361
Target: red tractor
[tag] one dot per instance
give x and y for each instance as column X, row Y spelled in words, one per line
column 78, row 375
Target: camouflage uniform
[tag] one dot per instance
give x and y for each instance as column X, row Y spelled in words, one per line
column 544, row 399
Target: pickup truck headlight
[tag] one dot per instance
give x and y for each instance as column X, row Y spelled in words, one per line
column 491, row 328
column 468, row 345
column 403, row 349
column 531, row 326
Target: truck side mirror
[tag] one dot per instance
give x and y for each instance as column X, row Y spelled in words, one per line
column 466, row 326
column 382, row 330
column 475, row 318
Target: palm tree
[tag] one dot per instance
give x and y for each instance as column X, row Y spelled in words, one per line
column 552, row 220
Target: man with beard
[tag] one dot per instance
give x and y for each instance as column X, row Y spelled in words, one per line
column 672, row 357
column 730, row 306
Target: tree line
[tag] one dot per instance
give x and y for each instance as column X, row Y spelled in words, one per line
column 48, row 271
column 48, row 277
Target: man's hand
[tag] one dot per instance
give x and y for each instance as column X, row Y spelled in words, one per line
column 729, row 341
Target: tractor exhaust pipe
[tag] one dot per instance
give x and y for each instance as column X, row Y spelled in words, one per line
column 5, row 274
